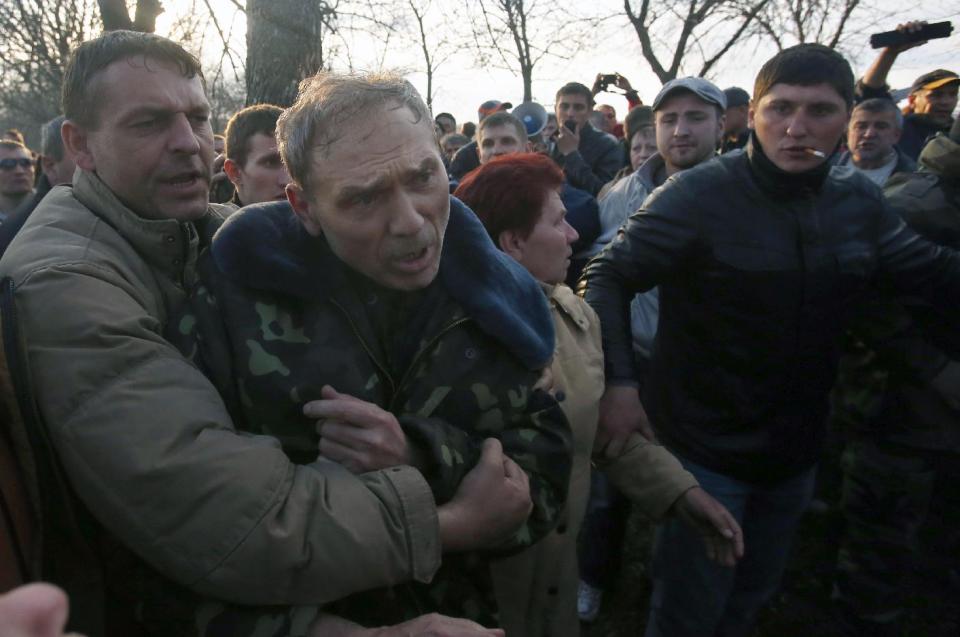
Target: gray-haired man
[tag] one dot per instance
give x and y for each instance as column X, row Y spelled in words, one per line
column 872, row 134
column 183, row 505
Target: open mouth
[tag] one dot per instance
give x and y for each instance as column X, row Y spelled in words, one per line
column 413, row 261
column 183, row 181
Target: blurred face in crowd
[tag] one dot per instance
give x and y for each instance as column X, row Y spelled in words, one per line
column 609, row 117
column 687, row 129
column 735, row 119
column 379, row 196
column 59, row 171
column 16, row 173
column 573, row 106
column 643, row 144
column 938, row 103
column 550, row 128
column 447, row 125
column 263, row 177
column 871, row 136
column 451, row 146
column 151, row 144
column 493, row 141
column 546, row 251
column 790, row 119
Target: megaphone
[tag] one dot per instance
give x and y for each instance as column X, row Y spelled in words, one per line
column 533, row 116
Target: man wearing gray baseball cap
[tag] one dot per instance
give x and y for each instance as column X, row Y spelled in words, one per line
column 688, row 120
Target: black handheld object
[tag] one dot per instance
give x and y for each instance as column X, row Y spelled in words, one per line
column 607, row 80
column 571, row 125
column 899, row 38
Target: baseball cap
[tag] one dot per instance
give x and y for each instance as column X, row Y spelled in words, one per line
column 704, row 89
column 736, row 96
column 933, row 79
column 492, row 106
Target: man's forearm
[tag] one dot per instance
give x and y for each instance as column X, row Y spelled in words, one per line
column 876, row 76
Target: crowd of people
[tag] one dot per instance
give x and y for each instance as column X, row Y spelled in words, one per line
column 348, row 369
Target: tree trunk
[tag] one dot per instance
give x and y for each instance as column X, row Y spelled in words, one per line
column 145, row 18
column 284, row 45
column 116, row 16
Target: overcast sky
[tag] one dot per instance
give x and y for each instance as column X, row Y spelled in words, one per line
column 460, row 87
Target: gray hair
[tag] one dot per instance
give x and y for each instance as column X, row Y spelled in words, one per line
column 327, row 101
column 880, row 105
column 51, row 143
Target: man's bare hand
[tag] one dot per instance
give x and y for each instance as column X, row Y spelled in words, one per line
column 908, row 27
column 721, row 534
column 34, row 610
column 491, row 503
column 432, row 625
column 568, row 140
column 623, row 83
column 359, row 435
column 546, row 382
column 621, row 414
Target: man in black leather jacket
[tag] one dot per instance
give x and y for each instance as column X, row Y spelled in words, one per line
column 758, row 255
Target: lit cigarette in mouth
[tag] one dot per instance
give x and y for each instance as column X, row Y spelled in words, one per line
column 814, row 152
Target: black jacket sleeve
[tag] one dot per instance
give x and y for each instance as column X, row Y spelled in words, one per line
column 652, row 245
column 916, row 267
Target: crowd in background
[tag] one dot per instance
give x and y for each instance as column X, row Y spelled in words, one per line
column 391, row 338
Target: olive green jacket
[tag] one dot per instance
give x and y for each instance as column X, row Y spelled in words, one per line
column 151, row 450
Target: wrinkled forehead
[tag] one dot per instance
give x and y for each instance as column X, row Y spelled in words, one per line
column 344, row 131
column 377, row 142
column 144, row 81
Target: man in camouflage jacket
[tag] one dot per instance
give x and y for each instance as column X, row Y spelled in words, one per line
column 290, row 327
column 898, row 397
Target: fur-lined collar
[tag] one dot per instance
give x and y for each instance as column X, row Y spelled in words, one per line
column 265, row 247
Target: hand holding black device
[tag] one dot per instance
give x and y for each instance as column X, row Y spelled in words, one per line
column 900, row 38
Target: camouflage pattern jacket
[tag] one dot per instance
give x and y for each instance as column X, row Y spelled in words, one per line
column 896, row 347
column 279, row 316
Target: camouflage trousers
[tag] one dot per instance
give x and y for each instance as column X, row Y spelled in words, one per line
column 895, row 501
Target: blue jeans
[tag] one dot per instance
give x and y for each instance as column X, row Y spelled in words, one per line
column 695, row 597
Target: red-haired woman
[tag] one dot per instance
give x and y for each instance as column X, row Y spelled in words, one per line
column 518, row 199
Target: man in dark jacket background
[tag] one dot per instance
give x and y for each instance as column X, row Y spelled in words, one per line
column 757, row 255
column 589, row 158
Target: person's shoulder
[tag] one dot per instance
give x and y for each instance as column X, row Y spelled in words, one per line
column 908, row 190
column 572, row 306
column 61, row 231
column 719, row 173
column 847, row 179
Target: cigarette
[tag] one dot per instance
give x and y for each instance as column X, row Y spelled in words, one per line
column 814, row 152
